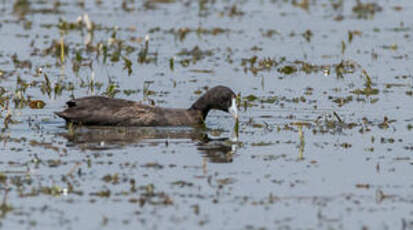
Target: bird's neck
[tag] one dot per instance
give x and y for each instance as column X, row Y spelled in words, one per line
column 202, row 105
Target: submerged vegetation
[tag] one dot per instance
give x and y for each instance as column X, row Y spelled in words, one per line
column 256, row 65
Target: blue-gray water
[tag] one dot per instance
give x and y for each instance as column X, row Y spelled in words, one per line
column 314, row 59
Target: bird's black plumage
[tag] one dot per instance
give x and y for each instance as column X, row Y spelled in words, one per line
column 99, row 110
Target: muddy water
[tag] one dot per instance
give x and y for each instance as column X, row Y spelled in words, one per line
column 325, row 92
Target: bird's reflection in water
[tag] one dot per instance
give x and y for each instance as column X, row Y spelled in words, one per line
column 218, row 150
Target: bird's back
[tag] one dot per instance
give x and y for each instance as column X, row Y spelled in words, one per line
column 98, row 110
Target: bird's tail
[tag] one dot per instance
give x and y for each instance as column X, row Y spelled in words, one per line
column 61, row 114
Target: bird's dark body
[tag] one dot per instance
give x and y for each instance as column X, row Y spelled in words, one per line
column 99, row 110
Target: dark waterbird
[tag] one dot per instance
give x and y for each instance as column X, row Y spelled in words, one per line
column 99, row 110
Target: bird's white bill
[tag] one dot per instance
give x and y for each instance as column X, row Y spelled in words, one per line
column 234, row 109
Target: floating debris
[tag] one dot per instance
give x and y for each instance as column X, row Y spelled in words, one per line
column 37, row 104
column 366, row 10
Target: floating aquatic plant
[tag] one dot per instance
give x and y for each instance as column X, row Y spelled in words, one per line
column 368, row 90
column 127, row 64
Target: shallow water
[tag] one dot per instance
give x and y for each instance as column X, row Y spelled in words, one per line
column 339, row 72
